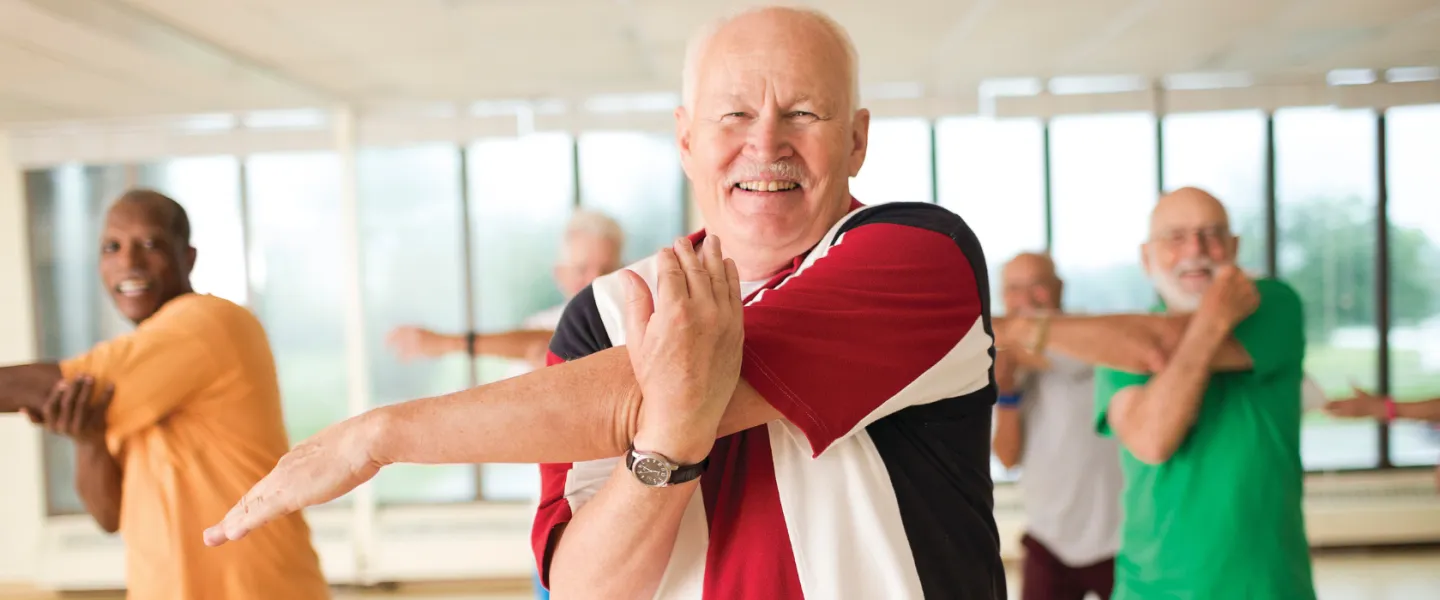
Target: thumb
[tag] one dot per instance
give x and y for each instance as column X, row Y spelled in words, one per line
column 639, row 306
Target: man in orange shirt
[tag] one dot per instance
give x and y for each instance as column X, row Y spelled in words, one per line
column 189, row 419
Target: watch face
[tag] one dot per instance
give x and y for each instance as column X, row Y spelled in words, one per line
column 651, row 472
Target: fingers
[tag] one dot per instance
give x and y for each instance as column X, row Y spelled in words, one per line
column 101, row 407
column 696, row 278
column 732, row 274
column 75, row 410
column 256, row 508
column 714, row 262
column 50, row 413
column 670, row 278
column 639, row 306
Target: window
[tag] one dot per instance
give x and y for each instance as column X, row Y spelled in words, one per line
column 1223, row 153
column 897, row 163
column 67, row 206
column 1413, row 137
column 521, row 195
column 209, row 189
column 1103, row 169
column 635, row 178
column 1326, row 181
column 992, row 174
column 413, row 253
column 293, row 203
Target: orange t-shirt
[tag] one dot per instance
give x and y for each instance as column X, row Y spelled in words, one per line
column 195, row 422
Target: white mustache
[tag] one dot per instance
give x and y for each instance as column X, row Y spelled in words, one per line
column 779, row 170
column 1193, row 264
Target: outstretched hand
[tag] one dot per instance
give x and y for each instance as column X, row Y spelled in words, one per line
column 1362, row 404
column 323, row 468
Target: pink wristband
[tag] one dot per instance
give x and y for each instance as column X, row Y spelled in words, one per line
column 1389, row 409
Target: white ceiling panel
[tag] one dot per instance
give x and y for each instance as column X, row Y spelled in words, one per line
column 83, row 59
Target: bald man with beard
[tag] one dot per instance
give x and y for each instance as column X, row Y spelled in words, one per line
column 1204, row 397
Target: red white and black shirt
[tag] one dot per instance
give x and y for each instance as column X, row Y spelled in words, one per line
column 876, row 346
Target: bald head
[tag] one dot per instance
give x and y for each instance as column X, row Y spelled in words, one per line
column 162, row 209
column 1189, row 239
column 755, row 25
column 1187, row 206
column 1030, row 284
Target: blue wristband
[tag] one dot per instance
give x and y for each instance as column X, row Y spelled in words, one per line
column 1008, row 400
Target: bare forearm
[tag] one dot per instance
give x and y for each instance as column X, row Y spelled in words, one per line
column 619, row 543
column 1124, row 342
column 511, row 344
column 98, row 482
column 1008, row 437
column 1423, row 410
column 1157, row 420
column 585, row 409
column 27, row 386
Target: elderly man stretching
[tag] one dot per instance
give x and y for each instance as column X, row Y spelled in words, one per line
column 1205, row 400
column 852, row 459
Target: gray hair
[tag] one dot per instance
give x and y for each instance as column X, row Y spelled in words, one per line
column 595, row 224
column 700, row 42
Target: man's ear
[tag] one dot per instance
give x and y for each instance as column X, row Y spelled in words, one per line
column 860, row 140
column 682, row 136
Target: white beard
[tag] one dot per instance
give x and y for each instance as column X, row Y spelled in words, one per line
column 1176, row 298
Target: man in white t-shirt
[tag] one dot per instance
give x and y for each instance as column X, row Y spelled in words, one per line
column 591, row 247
column 1071, row 479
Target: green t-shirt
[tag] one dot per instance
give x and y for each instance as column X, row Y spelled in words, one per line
column 1223, row 517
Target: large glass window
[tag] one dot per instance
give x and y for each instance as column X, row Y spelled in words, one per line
column 635, row 178
column 992, row 174
column 413, row 253
column 67, row 206
column 1413, row 160
column 1103, row 169
column 1326, row 183
column 897, row 163
column 521, row 195
column 293, row 203
column 1223, row 153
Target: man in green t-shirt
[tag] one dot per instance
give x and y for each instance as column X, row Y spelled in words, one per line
column 1204, row 397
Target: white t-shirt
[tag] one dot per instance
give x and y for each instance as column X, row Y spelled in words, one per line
column 1070, row 477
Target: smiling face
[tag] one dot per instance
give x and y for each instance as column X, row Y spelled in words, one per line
column 771, row 136
column 1189, row 239
column 144, row 259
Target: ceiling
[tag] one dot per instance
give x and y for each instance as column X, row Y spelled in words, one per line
column 101, row 59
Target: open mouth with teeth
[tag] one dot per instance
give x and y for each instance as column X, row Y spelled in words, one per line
column 131, row 288
column 767, row 186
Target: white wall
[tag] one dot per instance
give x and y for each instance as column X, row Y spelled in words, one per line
column 21, row 503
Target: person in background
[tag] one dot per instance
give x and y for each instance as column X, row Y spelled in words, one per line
column 1071, row 479
column 1384, row 408
column 592, row 246
column 173, row 420
column 1205, row 399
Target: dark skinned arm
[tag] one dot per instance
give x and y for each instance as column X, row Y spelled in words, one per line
column 27, row 386
column 68, row 411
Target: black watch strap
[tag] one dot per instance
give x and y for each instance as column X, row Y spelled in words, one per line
column 681, row 474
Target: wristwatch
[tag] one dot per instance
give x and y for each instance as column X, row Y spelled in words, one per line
column 654, row 470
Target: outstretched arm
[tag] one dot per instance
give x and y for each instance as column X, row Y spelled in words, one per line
column 27, row 386
column 414, row 342
column 1130, row 343
column 1365, row 404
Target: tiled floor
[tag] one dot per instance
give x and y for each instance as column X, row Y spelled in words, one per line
column 1389, row 575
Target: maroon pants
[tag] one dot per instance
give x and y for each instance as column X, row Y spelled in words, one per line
column 1046, row 578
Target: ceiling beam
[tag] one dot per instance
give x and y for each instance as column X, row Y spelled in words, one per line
column 125, row 21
